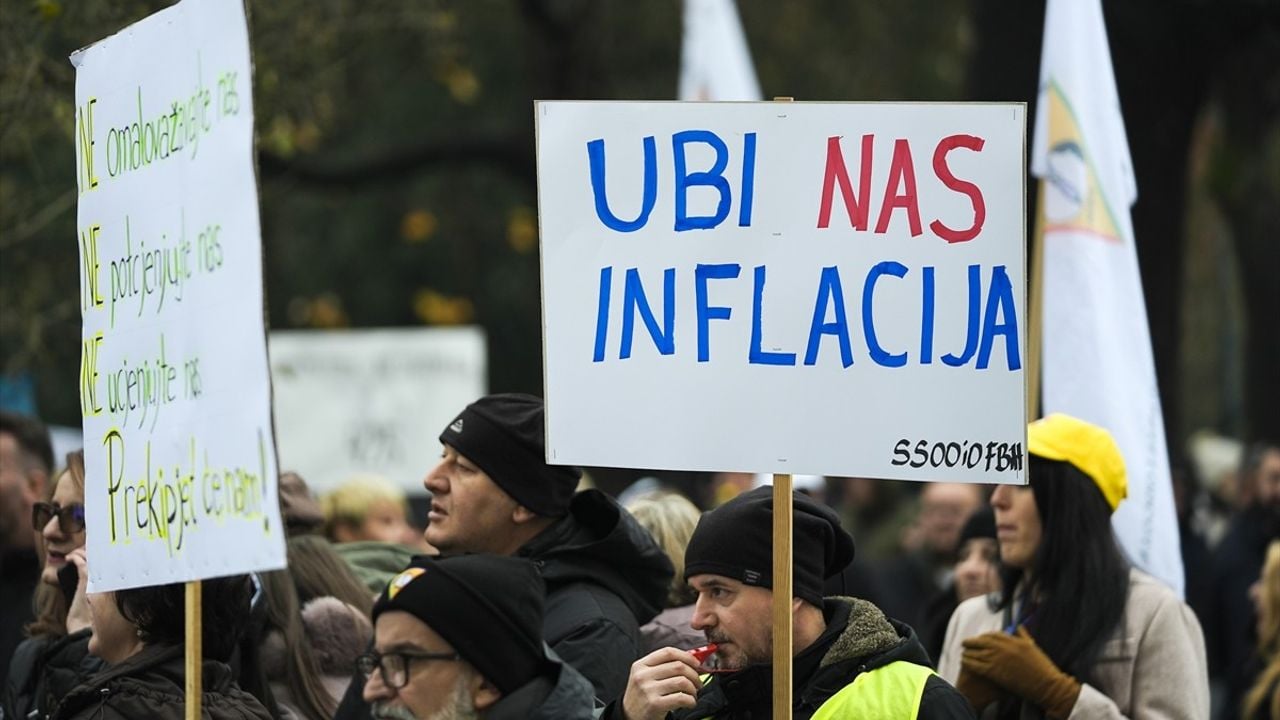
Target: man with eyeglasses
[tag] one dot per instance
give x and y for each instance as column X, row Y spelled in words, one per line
column 26, row 459
column 460, row 638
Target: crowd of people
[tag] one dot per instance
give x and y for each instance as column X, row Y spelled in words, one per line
column 531, row 594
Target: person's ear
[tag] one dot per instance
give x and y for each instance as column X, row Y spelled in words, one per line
column 522, row 515
column 343, row 531
column 484, row 693
column 796, row 604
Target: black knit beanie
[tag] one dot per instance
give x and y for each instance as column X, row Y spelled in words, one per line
column 981, row 524
column 489, row 608
column 736, row 540
column 504, row 435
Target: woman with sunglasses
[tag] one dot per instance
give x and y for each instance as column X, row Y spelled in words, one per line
column 55, row 657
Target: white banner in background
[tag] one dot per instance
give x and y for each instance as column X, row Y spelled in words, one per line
column 371, row 401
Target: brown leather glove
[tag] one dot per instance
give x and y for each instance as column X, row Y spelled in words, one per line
column 978, row 690
column 1017, row 664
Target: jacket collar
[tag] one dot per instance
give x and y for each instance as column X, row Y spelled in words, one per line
column 866, row 631
column 563, row 694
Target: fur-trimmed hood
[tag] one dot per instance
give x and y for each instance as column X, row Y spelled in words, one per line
column 868, row 633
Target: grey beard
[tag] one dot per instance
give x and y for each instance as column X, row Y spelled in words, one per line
column 458, row 707
column 383, row 711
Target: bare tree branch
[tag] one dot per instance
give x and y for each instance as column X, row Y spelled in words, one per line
column 513, row 154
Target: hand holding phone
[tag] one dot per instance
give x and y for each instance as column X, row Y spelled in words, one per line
column 73, row 579
column 68, row 580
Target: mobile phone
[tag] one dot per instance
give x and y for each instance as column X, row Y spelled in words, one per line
column 68, row 581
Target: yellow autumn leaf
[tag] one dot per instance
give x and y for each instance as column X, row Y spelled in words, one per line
column 327, row 312
column 522, row 230
column 463, row 84
column 418, row 226
column 434, row 308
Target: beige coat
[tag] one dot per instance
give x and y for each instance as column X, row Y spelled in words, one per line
column 1152, row 668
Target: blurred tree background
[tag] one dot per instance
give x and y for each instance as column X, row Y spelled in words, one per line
column 396, row 157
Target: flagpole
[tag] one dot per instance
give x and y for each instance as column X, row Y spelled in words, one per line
column 1035, row 325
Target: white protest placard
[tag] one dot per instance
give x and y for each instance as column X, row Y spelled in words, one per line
column 180, row 459
column 810, row 288
column 360, row 401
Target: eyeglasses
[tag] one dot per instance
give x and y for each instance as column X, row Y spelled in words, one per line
column 394, row 666
column 70, row 518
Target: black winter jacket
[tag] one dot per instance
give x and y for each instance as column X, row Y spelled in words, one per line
column 151, row 685
column 44, row 670
column 605, row 578
column 19, row 576
column 560, row 695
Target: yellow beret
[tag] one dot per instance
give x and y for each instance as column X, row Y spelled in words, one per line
column 1088, row 447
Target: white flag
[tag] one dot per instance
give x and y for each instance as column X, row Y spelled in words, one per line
column 1097, row 348
column 715, row 63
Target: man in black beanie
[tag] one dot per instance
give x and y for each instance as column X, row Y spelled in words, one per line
column 494, row 492
column 461, row 638
column 837, row 640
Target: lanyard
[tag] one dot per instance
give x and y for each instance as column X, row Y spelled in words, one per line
column 1011, row 625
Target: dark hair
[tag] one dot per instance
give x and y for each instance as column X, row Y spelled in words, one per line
column 1254, row 454
column 32, row 438
column 301, row 671
column 1078, row 583
column 318, row 571
column 159, row 612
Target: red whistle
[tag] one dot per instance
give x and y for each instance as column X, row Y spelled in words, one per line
column 702, row 653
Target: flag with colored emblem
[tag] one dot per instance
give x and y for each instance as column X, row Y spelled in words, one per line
column 715, row 63
column 1097, row 358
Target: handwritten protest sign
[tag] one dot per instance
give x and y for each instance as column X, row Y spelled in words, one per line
column 830, row 289
column 180, row 458
column 359, row 401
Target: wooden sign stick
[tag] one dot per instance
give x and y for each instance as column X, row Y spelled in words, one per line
column 195, row 651
column 782, row 597
column 782, row 590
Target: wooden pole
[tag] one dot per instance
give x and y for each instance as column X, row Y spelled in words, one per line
column 1035, row 324
column 782, row 593
column 195, row 651
column 782, row 590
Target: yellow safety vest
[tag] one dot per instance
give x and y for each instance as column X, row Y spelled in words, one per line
column 891, row 692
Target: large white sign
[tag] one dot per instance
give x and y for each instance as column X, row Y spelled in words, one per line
column 831, row 289
column 359, row 401
column 175, row 393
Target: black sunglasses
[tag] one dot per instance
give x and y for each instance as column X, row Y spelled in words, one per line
column 70, row 518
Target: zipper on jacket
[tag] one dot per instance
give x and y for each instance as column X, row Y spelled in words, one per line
column 102, row 702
